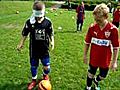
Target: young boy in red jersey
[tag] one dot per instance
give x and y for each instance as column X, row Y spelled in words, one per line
column 101, row 36
column 39, row 28
column 116, row 17
column 80, row 10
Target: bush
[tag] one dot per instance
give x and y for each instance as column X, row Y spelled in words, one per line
column 89, row 4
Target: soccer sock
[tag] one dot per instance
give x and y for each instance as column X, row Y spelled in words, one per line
column 34, row 72
column 46, row 71
column 89, row 81
column 77, row 27
column 96, row 80
column 88, row 88
column 80, row 27
column 34, row 78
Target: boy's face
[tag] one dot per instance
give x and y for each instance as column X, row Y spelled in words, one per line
column 39, row 18
column 99, row 18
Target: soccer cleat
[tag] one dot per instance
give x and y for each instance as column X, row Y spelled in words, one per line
column 45, row 77
column 32, row 85
column 87, row 89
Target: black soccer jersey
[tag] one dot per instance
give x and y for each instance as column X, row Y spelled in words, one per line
column 40, row 34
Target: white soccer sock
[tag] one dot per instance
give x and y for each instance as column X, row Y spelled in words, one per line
column 34, row 77
column 88, row 88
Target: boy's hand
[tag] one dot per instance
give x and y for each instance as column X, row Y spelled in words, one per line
column 113, row 66
column 52, row 46
column 19, row 47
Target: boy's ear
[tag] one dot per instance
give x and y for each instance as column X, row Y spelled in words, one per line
column 106, row 16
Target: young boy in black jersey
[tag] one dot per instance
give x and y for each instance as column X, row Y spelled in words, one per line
column 41, row 35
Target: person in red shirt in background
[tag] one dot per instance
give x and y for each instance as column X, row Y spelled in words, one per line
column 116, row 17
column 80, row 10
column 102, row 38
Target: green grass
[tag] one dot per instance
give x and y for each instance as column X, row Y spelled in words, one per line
column 68, row 72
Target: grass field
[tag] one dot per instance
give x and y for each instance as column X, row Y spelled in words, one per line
column 68, row 72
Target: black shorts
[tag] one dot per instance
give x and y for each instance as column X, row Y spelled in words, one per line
column 79, row 21
column 38, row 53
column 102, row 71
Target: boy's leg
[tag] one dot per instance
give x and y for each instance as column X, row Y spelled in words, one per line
column 34, row 65
column 77, row 25
column 91, row 72
column 46, row 66
column 103, row 73
column 81, row 24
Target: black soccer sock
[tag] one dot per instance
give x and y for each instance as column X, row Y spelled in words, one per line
column 96, row 80
column 89, row 81
column 77, row 27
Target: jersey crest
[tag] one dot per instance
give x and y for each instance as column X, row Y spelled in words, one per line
column 107, row 34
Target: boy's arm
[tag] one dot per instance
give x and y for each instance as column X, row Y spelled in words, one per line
column 52, row 42
column 86, row 48
column 25, row 33
column 115, row 44
column 87, row 43
column 51, row 35
column 115, row 56
column 21, row 44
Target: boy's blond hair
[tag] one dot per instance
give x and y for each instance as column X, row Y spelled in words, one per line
column 101, row 10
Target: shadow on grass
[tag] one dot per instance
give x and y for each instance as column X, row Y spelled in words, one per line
column 15, row 87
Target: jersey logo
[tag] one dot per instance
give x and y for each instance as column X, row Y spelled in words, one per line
column 107, row 34
column 100, row 42
column 40, row 34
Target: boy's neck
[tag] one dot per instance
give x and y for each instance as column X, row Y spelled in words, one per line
column 103, row 24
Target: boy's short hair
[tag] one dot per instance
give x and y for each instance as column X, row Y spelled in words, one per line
column 38, row 5
column 101, row 10
column 38, row 9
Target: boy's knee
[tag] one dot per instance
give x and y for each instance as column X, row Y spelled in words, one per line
column 46, row 67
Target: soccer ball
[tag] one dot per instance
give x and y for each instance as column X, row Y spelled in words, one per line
column 55, row 14
column 73, row 17
column 17, row 12
column 44, row 85
column 59, row 28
